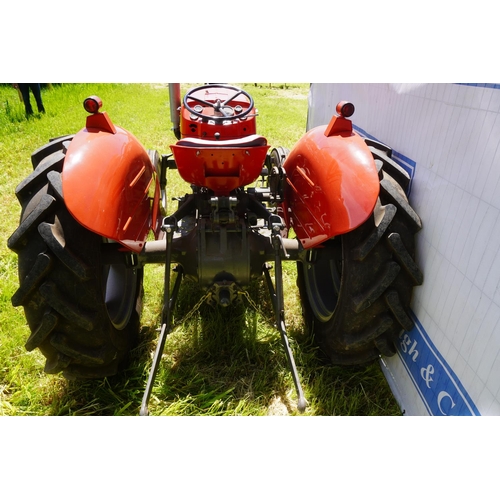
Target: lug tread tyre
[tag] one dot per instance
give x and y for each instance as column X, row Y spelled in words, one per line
column 65, row 307
column 394, row 303
column 56, row 363
column 379, row 146
column 396, row 195
column 27, row 187
column 392, row 168
column 33, row 279
column 376, row 328
column 362, row 250
column 46, row 326
column 55, row 182
column 385, row 347
column 62, row 280
column 56, row 244
column 358, row 321
column 84, row 356
column 380, row 284
column 54, row 145
column 42, row 210
column 405, row 259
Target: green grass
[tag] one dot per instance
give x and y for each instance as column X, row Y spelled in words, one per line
column 217, row 362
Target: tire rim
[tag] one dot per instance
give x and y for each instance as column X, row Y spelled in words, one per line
column 120, row 287
column 322, row 279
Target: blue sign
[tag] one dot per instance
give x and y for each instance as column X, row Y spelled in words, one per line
column 438, row 386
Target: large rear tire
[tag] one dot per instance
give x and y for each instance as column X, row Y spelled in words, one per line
column 83, row 314
column 356, row 289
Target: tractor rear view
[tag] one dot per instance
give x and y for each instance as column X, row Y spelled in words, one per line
column 93, row 214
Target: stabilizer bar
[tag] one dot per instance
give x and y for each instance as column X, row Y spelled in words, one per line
column 168, row 305
column 279, row 312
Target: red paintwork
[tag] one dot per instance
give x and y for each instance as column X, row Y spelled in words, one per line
column 220, row 156
column 109, row 183
column 203, row 129
column 339, row 126
column 332, row 183
column 100, row 122
column 111, row 187
column 220, row 168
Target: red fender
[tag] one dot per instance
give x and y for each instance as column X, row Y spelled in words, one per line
column 332, row 183
column 110, row 185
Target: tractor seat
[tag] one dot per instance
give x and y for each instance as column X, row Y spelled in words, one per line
column 250, row 141
column 221, row 166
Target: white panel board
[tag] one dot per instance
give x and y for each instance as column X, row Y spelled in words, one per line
column 447, row 136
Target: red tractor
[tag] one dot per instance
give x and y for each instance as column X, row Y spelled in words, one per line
column 94, row 199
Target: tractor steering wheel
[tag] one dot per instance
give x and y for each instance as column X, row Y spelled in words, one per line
column 227, row 111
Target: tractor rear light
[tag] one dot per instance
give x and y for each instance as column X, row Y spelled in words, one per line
column 92, row 104
column 345, row 109
column 97, row 121
column 340, row 124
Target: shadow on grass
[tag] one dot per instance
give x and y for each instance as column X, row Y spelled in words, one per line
column 229, row 361
column 225, row 361
column 222, row 361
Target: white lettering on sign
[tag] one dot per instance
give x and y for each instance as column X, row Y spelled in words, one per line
column 425, row 372
column 406, row 341
column 441, row 396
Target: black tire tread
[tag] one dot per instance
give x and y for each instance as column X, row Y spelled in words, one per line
column 47, row 325
column 373, row 331
column 54, row 145
column 55, row 242
column 388, row 212
column 405, row 259
column 60, row 279
column 33, row 279
column 28, row 186
column 44, row 208
column 65, row 307
column 394, row 303
column 84, row 356
column 392, row 168
column 380, row 146
column 381, row 283
column 396, row 195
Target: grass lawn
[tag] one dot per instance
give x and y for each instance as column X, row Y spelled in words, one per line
column 218, row 361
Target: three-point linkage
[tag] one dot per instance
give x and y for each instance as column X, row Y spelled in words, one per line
column 275, row 290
